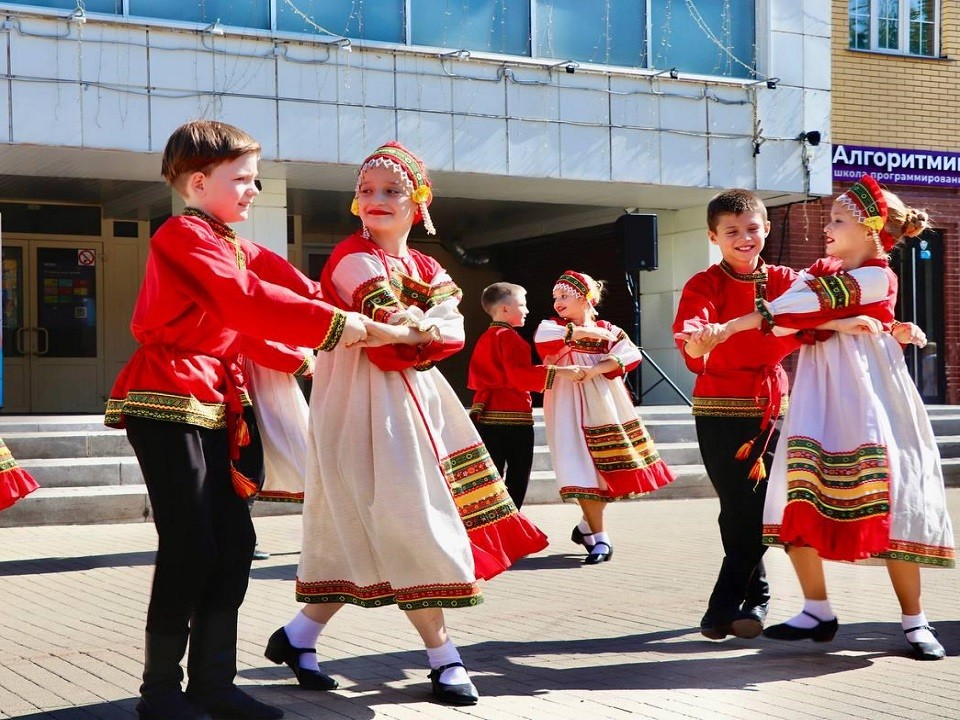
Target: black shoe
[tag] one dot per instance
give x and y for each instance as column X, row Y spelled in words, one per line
column 459, row 694
column 259, row 554
column 749, row 622
column 578, row 537
column 597, row 555
column 823, row 631
column 931, row 650
column 232, row 703
column 280, row 651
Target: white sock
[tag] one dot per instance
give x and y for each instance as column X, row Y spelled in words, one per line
column 302, row 632
column 820, row 609
column 912, row 621
column 444, row 655
column 600, row 537
column 584, row 526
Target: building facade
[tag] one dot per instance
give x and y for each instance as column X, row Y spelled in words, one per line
column 896, row 115
column 537, row 119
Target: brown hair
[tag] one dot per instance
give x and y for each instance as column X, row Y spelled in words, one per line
column 904, row 221
column 494, row 295
column 735, row 201
column 199, row 145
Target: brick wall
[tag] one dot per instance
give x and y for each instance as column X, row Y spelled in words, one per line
column 894, row 101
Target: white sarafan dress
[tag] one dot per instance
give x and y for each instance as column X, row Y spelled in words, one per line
column 856, row 474
column 598, row 444
column 402, row 502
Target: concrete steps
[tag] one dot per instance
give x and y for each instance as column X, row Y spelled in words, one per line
column 89, row 473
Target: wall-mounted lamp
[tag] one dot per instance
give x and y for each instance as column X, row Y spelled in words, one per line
column 673, row 72
column 78, row 16
column 455, row 55
column 570, row 66
column 771, row 83
column 214, row 28
column 812, row 137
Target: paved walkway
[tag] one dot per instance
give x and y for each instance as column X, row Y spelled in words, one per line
column 554, row 639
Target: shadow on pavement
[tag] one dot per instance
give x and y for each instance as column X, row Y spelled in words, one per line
column 39, row 566
column 529, row 669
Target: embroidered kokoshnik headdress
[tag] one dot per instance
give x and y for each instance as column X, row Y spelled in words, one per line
column 393, row 156
column 866, row 202
column 580, row 284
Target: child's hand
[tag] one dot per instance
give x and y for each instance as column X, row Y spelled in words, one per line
column 354, row 329
column 571, row 372
column 857, row 325
column 906, row 333
column 704, row 339
column 587, row 374
column 379, row 334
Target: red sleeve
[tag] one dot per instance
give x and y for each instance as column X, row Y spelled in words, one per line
column 520, row 370
column 696, row 308
column 276, row 356
column 203, row 267
column 275, row 269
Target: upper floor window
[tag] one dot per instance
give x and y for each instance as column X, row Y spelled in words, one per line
column 905, row 27
column 705, row 37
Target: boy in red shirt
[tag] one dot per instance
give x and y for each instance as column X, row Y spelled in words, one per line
column 208, row 298
column 502, row 375
column 739, row 392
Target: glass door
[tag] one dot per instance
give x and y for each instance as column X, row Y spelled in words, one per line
column 919, row 264
column 51, row 326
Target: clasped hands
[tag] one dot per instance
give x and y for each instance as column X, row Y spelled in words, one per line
column 361, row 331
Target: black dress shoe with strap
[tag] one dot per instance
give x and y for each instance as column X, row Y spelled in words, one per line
column 281, row 651
column 929, row 650
column 452, row 693
column 579, row 537
column 601, row 552
column 823, row 631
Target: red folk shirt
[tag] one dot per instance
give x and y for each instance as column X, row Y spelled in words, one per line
column 741, row 376
column 207, row 297
column 503, row 375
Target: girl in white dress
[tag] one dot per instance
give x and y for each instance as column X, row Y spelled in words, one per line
column 403, row 504
column 600, row 449
column 856, row 475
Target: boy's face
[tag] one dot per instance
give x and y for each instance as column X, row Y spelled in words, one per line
column 514, row 310
column 740, row 237
column 386, row 207
column 227, row 190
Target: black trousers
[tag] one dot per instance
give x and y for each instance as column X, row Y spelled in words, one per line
column 206, row 536
column 742, row 579
column 511, row 449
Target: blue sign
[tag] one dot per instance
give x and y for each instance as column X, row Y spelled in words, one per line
column 894, row 166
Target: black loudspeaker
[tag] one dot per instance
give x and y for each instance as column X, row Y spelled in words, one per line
column 637, row 235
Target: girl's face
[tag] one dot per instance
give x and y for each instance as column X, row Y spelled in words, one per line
column 570, row 306
column 846, row 239
column 385, row 204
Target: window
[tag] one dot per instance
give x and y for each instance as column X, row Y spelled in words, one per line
column 498, row 26
column 705, row 37
column 381, row 20
column 905, row 27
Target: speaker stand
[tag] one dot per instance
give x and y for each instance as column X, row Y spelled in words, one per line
column 633, row 287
